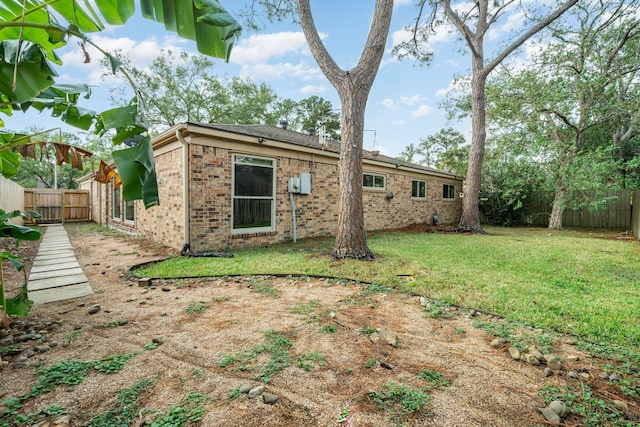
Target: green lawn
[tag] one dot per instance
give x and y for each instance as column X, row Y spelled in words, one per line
column 571, row 281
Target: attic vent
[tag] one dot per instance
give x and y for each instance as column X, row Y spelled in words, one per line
column 284, row 124
column 311, row 131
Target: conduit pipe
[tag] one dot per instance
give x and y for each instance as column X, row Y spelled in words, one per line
column 186, row 204
column 293, row 214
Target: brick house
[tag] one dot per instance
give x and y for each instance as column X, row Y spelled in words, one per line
column 230, row 186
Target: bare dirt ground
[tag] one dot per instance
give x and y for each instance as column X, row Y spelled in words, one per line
column 334, row 362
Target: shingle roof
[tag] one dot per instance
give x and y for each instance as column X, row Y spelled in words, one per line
column 310, row 141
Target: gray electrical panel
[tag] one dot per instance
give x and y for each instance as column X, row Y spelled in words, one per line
column 300, row 184
column 305, row 183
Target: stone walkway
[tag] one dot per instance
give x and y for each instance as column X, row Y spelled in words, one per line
column 55, row 274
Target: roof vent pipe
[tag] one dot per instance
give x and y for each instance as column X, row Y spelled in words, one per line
column 284, row 124
column 311, row 131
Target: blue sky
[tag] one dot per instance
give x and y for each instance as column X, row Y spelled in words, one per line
column 403, row 103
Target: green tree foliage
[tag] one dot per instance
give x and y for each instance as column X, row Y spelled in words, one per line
column 445, row 150
column 473, row 21
column 30, row 33
column 569, row 110
column 181, row 87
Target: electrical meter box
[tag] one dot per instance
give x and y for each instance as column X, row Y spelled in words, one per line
column 305, row 183
column 294, row 185
column 300, row 184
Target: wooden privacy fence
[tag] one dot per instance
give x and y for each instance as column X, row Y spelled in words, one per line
column 11, row 198
column 635, row 220
column 57, row 205
column 615, row 215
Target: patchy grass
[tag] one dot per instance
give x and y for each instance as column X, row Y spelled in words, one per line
column 569, row 282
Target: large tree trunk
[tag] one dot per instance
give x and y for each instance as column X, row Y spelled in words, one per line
column 470, row 218
column 353, row 86
column 351, row 236
column 559, row 205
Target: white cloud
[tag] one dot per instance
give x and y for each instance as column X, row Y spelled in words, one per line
column 410, row 100
column 141, row 53
column 264, row 71
column 389, row 104
column 313, row 89
column 422, row 111
column 514, row 22
column 261, row 48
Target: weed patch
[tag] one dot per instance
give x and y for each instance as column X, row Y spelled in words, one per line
column 264, row 287
column 190, row 410
column 114, row 324
column 277, row 346
column 304, row 361
column 126, row 409
column 401, row 401
column 195, row 308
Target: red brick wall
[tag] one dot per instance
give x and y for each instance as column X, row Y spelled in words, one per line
column 210, row 205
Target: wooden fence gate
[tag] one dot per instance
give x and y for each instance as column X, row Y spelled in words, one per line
column 56, row 206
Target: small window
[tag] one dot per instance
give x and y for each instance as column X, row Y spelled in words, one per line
column 448, row 191
column 116, row 202
column 418, row 189
column 370, row 180
column 253, row 194
column 130, row 210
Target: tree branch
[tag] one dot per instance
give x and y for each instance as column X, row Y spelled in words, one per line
column 526, row 36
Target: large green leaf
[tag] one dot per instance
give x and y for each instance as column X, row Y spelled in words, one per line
column 34, row 73
column 20, row 304
column 9, row 162
column 19, row 232
column 137, row 170
column 116, row 12
column 205, row 21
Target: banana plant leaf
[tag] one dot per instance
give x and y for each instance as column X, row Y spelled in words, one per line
column 33, row 74
column 9, row 162
column 19, row 232
column 137, row 170
column 205, row 21
column 20, row 305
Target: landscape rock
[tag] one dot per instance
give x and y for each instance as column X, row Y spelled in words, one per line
column 531, row 359
column 145, row 281
column 558, row 407
column 550, row 415
column 26, row 337
column 42, row 348
column 256, row 391
column 573, row 358
column 498, row 342
column 392, row 340
column 269, row 398
column 374, row 338
column 3, row 409
column 158, row 340
column 614, row 377
column 553, row 362
column 548, row 372
column 94, row 309
column 246, row 388
column 573, row 374
column 166, row 289
column 536, row 353
column 7, row 341
column 515, row 353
